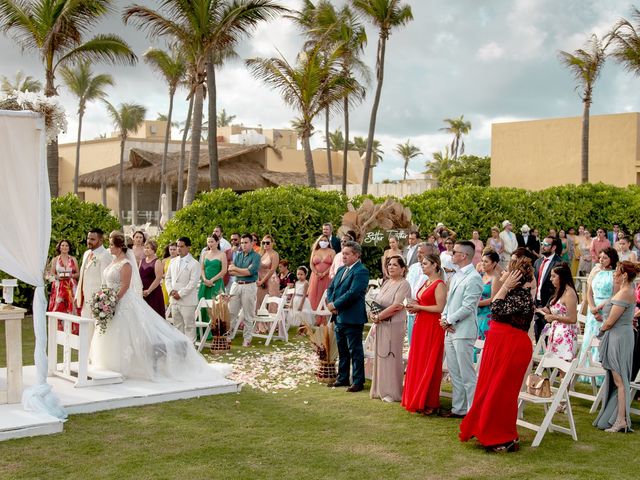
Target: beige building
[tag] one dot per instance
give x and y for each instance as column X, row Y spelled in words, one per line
column 271, row 155
column 538, row 154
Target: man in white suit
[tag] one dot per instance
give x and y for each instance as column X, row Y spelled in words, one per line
column 459, row 319
column 94, row 262
column 181, row 282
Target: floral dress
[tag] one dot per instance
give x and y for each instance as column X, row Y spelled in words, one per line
column 563, row 337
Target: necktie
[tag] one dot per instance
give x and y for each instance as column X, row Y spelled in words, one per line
column 344, row 274
column 544, row 262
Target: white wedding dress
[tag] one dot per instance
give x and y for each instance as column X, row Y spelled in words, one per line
column 138, row 343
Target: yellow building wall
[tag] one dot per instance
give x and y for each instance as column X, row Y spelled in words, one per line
column 291, row 160
column 539, row 154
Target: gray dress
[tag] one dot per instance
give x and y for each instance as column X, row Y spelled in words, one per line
column 616, row 354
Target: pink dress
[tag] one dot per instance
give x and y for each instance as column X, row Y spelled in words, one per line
column 477, row 256
column 563, row 337
column 317, row 286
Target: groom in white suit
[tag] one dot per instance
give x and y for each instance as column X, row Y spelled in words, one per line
column 459, row 319
column 182, row 282
column 94, row 262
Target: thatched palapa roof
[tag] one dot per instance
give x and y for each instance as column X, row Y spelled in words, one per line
column 238, row 170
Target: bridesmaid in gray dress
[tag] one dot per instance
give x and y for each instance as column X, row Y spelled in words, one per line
column 388, row 368
column 616, row 352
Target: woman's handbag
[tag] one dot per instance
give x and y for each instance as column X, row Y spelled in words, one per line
column 538, row 386
column 374, row 307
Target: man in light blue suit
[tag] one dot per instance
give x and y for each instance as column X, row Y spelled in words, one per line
column 459, row 319
column 345, row 299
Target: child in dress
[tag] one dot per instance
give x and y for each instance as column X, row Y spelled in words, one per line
column 300, row 306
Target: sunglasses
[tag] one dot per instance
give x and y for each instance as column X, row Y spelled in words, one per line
column 266, row 243
column 545, row 244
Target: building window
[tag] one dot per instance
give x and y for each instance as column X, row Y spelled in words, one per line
column 153, row 129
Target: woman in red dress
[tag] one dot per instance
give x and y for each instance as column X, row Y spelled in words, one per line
column 505, row 360
column 424, row 370
column 64, row 271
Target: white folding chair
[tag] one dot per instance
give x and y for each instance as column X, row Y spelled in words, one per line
column 202, row 328
column 445, row 377
column 479, row 344
column 550, row 404
column 635, row 388
column 273, row 319
column 540, row 348
column 322, row 310
column 592, row 370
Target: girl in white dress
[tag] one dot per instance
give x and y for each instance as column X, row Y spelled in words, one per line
column 300, row 305
column 138, row 343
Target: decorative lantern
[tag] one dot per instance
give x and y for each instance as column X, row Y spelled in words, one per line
column 8, row 284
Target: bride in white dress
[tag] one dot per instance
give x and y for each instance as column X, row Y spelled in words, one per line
column 138, row 343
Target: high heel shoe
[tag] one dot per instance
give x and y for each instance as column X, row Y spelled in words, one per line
column 513, row 446
column 619, row 426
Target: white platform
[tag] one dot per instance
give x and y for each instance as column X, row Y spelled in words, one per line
column 17, row 423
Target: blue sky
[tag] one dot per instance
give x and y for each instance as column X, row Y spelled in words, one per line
column 492, row 61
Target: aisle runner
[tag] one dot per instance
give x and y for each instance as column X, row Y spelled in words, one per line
column 287, row 367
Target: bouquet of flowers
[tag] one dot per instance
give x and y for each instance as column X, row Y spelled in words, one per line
column 103, row 307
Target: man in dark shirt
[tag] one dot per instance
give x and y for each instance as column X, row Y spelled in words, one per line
column 244, row 290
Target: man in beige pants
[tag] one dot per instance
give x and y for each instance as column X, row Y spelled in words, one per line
column 182, row 282
column 244, row 291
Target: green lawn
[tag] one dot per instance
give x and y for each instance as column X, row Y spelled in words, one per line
column 308, row 433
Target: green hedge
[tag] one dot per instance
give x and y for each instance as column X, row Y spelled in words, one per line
column 71, row 218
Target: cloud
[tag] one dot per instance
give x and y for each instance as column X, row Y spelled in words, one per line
column 490, row 51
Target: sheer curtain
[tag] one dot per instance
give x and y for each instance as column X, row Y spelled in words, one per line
column 25, row 230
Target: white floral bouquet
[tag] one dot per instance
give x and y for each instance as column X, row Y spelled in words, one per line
column 103, row 307
column 53, row 112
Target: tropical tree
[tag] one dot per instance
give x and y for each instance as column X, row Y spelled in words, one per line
column 457, row 127
column 172, row 66
column 88, row 87
column 309, row 86
column 127, row 118
column 224, row 120
column 57, row 30
column 200, row 27
column 439, row 164
column 360, row 144
column 21, row 83
column 466, row 170
column 585, row 64
column 407, row 152
column 385, row 15
column 335, row 140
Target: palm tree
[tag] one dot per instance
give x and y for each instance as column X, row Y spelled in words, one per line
column 81, row 81
column 200, row 27
column 127, row 118
column 439, row 164
column 585, row 65
column 407, row 152
column 457, row 127
column 322, row 23
column 335, row 140
column 385, row 15
column 21, row 83
column 224, row 120
column 315, row 82
column 183, row 148
column 172, row 66
column 56, row 30
column 360, row 144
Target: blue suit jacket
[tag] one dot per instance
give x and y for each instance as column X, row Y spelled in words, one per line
column 347, row 294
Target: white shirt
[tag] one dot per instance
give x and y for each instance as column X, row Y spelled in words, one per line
column 509, row 240
column 446, row 261
column 416, row 278
column 545, row 267
column 224, row 244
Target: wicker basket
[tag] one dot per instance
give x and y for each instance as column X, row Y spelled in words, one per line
column 326, row 372
column 220, row 344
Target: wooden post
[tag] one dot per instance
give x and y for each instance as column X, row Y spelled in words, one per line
column 12, row 318
column 134, row 203
column 104, row 194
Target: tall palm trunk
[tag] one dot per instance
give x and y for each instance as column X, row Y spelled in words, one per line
column 165, row 151
column 77, row 169
column 123, row 139
column 326, row 135
column 212, row 141
column 194, row 155
column 308, row 160
column 345, row 150
column 382, row 44
column 585, row 141
column 53, row 166
column 183, row 148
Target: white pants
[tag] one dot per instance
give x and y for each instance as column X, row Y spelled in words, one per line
column 184, row 319
column 243, row 296
column 459, row 353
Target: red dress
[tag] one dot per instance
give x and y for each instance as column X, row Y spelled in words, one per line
column 63, row 291
column 505, row 360
column 424, row 369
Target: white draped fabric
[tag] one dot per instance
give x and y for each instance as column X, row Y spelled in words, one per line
column 25, row 231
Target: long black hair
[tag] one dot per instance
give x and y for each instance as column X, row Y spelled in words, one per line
column 563, row 271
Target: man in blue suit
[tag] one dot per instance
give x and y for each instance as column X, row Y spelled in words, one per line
column 345, row 299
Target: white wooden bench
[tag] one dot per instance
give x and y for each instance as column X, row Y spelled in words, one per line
column 78, row 372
